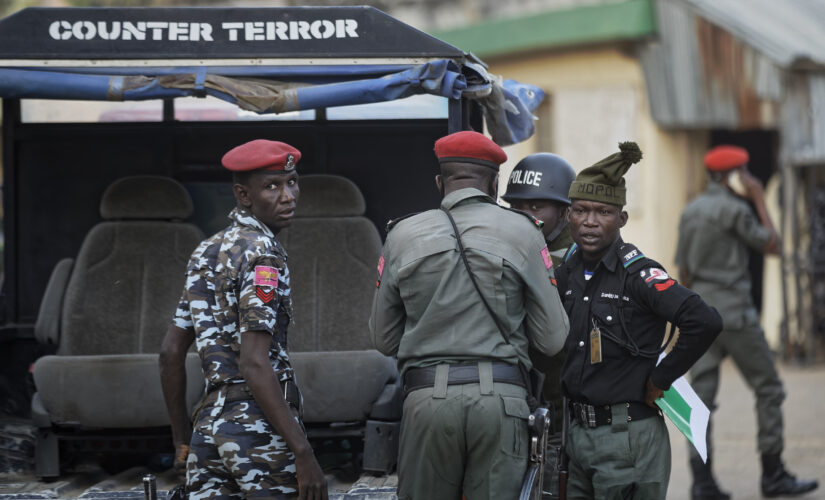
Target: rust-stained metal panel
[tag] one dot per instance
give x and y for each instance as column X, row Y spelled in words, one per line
column 711, row 69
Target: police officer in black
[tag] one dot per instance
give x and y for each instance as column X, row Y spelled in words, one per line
column 619, row 303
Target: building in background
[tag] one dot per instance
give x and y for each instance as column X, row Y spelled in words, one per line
column 679, row 76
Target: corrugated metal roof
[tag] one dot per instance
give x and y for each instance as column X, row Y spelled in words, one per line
column 789, row 32
column 741, row 64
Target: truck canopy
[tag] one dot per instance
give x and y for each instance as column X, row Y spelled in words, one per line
column 268, row 60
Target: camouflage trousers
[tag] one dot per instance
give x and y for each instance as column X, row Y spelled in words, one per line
column 235, row 453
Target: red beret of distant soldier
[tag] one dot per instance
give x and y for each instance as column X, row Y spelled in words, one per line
column 722, row 158
column 261, row 154
column 471, row 147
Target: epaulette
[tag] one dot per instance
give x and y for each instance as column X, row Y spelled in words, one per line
column 631, row 257
column 570, row 251
column 392, row 222
column 538, row 223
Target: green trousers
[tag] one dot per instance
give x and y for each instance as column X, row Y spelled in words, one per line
column 622, row 460
column 750, row 352
column 466, row 439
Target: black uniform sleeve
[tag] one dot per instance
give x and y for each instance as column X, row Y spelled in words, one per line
column 699, row 325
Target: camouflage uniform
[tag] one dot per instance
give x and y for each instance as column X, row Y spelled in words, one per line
column 237, row 281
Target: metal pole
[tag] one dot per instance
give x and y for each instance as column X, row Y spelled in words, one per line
column 797, row 265
column 150, row 487
column 785, row 201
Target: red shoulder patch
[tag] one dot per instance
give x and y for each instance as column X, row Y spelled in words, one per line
column 266, row 297
column 661, row 287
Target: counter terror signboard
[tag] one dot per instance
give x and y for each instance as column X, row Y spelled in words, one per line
column 225, row 33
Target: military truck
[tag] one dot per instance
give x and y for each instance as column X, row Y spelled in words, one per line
column 114, row 123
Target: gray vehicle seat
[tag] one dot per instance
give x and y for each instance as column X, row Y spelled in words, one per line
column 108, row 313
column 333, row 251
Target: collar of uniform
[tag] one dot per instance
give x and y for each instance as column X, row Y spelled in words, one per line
column 245, row 218
column 610, row 259
column 717, row 188
column 456, row 197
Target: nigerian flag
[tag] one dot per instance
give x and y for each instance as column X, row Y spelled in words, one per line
column 687, row 412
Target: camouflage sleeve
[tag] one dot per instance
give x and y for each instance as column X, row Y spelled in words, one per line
column 183, row 315
column 262, row 283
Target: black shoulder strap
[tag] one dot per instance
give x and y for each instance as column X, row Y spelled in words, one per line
column 473, row 277
column 570, row 251
column 631, row 257
column 392, row 222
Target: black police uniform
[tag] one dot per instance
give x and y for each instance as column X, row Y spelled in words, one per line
column 629, row 299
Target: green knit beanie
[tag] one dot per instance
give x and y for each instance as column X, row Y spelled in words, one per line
column 604, row 181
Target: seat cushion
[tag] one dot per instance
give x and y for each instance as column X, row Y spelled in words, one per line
column 125, row 286
column 341, row 386
column 114, row 391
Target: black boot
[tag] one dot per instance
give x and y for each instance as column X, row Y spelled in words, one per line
column 704, row 486
column 776, row 481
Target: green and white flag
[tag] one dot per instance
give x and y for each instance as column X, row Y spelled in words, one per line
column 688, row 413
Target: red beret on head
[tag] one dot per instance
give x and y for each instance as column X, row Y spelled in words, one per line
column 722, row 158
column 261, row 154
column 469, row 146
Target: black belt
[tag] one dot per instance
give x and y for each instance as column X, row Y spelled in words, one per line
column 461, row 373
column 242, row 392
column 595, row 416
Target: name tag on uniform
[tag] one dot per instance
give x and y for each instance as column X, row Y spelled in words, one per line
column 595, row 345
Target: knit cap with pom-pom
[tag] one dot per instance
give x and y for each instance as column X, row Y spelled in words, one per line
column 604, row 180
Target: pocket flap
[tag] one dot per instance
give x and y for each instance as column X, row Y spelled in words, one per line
column 515, row 407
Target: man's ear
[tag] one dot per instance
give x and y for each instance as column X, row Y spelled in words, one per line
column 241, row 193
column 623, row 219
column 439, row 184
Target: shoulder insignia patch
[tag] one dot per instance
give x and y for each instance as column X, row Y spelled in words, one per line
column 380, row 270
column 266, row 297
column 545, row 254
column 538, row 223
column 392, row 222
column 657, row 278
column 630, row 254
column 266, row 276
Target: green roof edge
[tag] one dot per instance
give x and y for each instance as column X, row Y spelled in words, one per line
column 629, row 19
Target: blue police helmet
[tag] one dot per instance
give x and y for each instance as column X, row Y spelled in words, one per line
column 540, row 176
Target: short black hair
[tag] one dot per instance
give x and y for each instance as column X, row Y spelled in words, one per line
column 242, row 177
column 452, row 171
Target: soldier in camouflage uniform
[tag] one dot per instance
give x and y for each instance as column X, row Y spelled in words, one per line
column 247, row 440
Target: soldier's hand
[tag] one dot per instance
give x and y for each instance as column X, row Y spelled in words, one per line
column 752, row 184
column 181, row 454
column 312, row 484
column 652, row 393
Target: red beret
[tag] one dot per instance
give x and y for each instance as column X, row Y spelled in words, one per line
column 469, row 146
column 722, row 158
column 261, row 154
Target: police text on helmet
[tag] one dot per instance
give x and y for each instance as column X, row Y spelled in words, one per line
column 525, row 177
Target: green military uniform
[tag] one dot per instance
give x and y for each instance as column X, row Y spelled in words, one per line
column 551, row 366
column 715, row 232
column 465, row 438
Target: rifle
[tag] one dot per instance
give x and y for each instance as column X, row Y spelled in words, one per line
column 563, row 459
column 538, row 426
